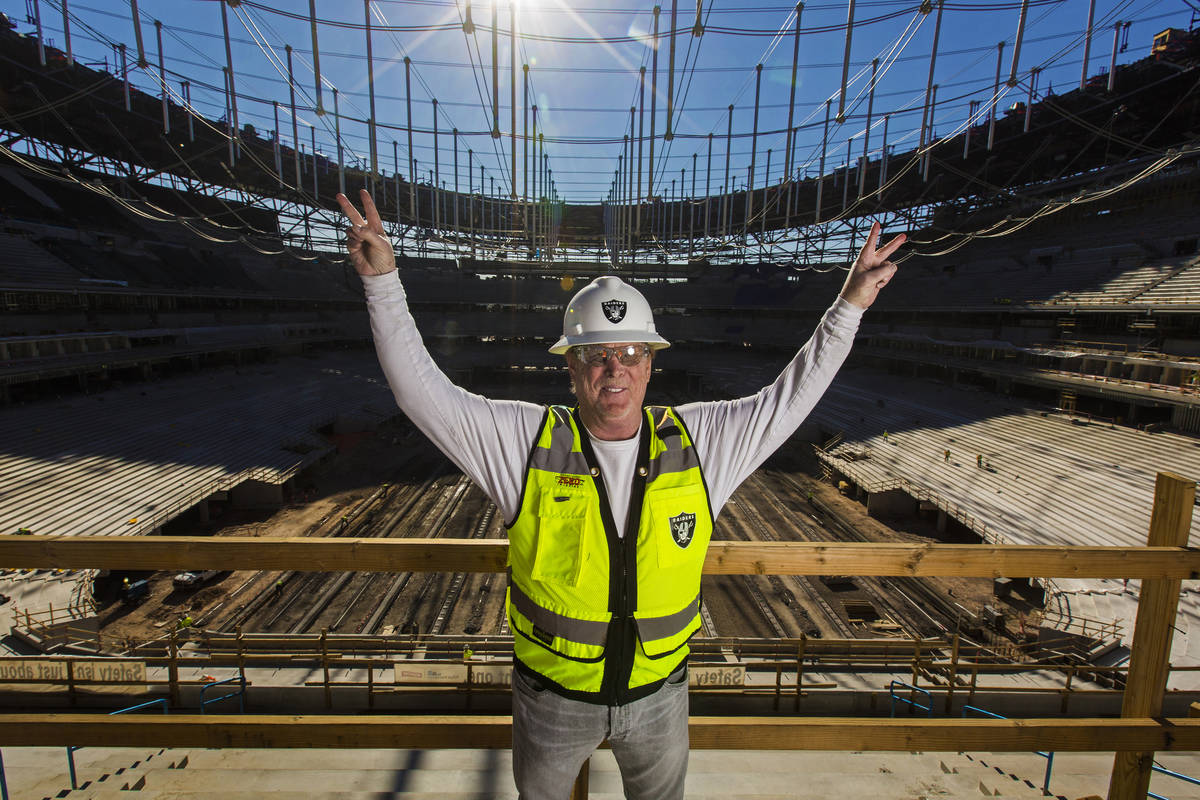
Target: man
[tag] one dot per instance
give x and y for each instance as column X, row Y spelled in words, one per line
column 609, row 507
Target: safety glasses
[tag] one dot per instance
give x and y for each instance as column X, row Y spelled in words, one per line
column 596, row 355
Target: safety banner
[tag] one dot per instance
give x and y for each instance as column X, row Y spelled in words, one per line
column 39, row 674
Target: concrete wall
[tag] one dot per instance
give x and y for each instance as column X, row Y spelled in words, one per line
column 894, row 503
column 256, row 494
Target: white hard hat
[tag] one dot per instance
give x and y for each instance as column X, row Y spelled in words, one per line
column 608, row 311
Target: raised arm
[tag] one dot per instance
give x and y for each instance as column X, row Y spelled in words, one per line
column 487, row 439
column 733, row 437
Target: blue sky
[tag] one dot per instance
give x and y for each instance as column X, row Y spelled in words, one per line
column 584, row 64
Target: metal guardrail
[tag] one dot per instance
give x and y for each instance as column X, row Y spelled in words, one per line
column 1049, row 756
column 72, row 748
column 240, row 694
column 1173, row 774
column 911, row 703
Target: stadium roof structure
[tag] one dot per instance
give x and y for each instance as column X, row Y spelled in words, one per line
column 1038, row 156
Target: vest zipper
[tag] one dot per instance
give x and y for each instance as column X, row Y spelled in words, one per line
column 622, row 589
column 628, row 578
column 622, row 663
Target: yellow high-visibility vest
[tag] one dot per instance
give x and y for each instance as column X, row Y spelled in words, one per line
column 594, row 616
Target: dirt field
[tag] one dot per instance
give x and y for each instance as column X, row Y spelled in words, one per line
column 364, row 461
column 799, row 460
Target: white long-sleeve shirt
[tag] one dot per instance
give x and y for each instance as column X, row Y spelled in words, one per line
column 489, row 440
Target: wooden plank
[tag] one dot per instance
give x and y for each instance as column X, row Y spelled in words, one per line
column 489, row 555
column 936, row 735
column 1170, row 525
column 963, row 560
column 722, row 733
column 244, row 552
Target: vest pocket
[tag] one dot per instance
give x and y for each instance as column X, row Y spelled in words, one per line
column 562, row 523
column 681, row 525
column 542, row 632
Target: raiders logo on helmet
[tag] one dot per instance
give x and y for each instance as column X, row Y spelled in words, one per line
column 614, row 310
column 683, row 527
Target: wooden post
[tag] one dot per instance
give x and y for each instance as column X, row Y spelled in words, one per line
column 1170, row 524
column 916, row 664
column 71, row 682
column 470, row 683
column 1066, row 698
column 371, row 683
column 173, row 669
column 953, row 676
column 799, row 668
column 325, row 667
column 241, row 651
column 580, row 790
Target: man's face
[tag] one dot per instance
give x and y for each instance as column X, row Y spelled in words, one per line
column 610, row 393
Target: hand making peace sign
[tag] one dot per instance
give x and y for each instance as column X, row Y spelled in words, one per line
column 370, row 250
column 872, row 270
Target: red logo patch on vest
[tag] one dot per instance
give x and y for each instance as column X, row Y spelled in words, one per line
column 569, row 480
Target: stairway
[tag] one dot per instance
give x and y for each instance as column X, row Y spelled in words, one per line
column 37, row 772
column 1074, row 775
column 328, row 774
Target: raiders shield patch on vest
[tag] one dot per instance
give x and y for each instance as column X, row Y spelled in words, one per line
column 682, row 529
column 614, row 310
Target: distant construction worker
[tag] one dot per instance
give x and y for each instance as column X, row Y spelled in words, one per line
column 979, row 460
column 278, row 587
column 945, row 455
column 184, row 622
column 609, row 507
column 468, row 653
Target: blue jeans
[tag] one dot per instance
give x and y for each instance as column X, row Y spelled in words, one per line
column 553, row 736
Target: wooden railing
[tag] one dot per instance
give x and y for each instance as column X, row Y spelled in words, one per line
column 488, row 555
column 1162, row 565
column 785, row 672
column 711, row 733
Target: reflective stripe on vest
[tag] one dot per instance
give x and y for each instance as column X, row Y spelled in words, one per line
column 565, row 601
column 577, row 630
